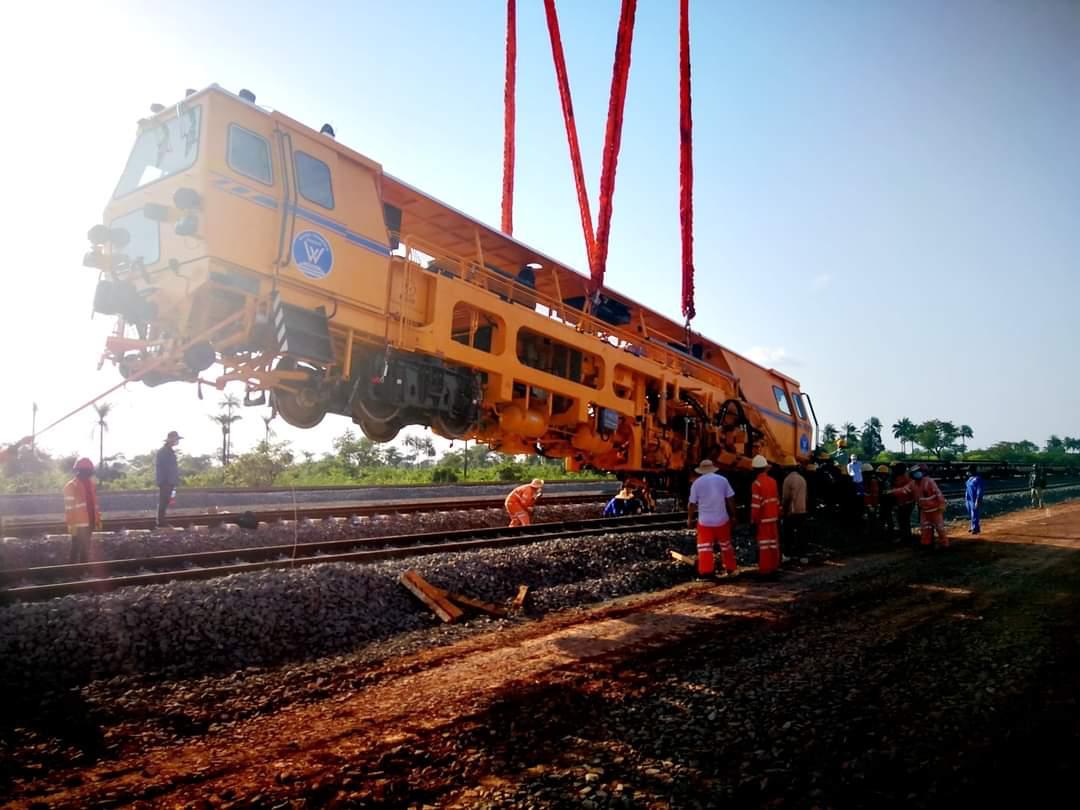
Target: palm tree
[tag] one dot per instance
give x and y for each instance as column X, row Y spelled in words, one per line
column 1071, row 445
column 269, row 430
column 965, row 433
column 851, row 433
column 226, row 420
column 828, row 433
column 904, row 431
column 102, row 411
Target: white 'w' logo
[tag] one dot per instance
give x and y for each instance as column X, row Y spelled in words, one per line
column 314, row 252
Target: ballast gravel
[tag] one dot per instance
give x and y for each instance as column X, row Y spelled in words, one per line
column 278, row 615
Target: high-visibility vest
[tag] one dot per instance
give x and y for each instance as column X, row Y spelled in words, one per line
column 764, row 500
column 76, row 509
column 522, row 497
column 930, row 497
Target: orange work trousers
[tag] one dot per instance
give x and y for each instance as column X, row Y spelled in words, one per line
column 768, row 540
column 519, row 515
column 706, row 537
column 929, row 522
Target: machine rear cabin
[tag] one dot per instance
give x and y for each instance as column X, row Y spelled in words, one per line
column 239, row 239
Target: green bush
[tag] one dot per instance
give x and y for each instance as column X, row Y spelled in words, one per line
column 442, row 475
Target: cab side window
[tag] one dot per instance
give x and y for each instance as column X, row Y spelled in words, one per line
column 781, row 400
column 249, row 155
column 313, row 180
column 799, row 409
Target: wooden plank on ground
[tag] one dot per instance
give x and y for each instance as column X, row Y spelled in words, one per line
column 431, row 596
column 685, row 559
column 519, row 600
column 468, row 601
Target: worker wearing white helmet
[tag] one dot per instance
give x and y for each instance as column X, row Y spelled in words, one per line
column 765, row 516
column 519, row 503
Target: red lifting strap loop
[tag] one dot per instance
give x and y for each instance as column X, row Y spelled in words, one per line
column 686, row 164
column 613, row 139
column 508, row 120
column 571, row 127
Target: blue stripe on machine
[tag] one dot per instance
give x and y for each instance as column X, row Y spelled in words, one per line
column 341, row 230
column 245, row 193
column 776, row 415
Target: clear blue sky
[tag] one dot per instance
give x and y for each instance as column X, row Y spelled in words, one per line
column 887, row 194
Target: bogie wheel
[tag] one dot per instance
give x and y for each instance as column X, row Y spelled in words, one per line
column 379, row 431
column 450, row 428
column 300, row 407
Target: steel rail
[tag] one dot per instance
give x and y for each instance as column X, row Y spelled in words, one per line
column 99, row 576
column 108, row 575
column 30, row 527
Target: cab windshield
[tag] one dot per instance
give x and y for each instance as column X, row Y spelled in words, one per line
column 161, row 150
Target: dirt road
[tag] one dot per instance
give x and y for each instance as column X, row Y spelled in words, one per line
column 883, row 679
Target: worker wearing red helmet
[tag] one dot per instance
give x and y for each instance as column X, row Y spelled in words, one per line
column 81, row 511
column 765, row 516
column 519, row 503
column 931, row 508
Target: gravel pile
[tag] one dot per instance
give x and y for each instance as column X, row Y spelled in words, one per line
column 18, row 552
column 266, row 617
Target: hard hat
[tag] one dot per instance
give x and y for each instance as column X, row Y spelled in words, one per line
column 883, row 469
column 537, row 483
column 705, row 467
column 759, row 462
column 841, row 442
column 867, row 467
column 789, row 461
column 83, row 464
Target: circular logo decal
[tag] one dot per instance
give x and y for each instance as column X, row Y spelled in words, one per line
column 312, row 254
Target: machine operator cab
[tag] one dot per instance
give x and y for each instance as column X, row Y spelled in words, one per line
column 222, row 203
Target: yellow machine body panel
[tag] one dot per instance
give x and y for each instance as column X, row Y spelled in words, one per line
column 244, row 245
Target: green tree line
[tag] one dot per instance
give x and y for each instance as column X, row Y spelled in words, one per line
column 942, row 440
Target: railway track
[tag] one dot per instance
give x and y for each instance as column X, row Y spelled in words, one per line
column 45, row 582
column 30, row 527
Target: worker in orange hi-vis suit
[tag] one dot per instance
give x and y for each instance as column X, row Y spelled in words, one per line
column 765, row 516
column 931, row 508
column 519, row 503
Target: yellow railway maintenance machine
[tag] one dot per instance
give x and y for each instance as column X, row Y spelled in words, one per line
column 241, row 238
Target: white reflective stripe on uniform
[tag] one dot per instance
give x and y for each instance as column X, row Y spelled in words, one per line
column 769, row 520
column 771, row 500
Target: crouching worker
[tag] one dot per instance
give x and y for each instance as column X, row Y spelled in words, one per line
column 520, row 502
column 81, row 511
column 712, row 506
column 624, row 503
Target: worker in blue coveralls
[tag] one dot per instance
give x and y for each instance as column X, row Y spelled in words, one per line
column 973, row 495
column 624, row 503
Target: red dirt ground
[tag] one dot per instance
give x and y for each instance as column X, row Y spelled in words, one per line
column 421, row 732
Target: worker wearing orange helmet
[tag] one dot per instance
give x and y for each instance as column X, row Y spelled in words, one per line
column 520, row 502
column 81, row 511
column 765, row 516
column 931, row 508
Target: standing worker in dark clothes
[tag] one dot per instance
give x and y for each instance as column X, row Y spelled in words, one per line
column 793, row 510
column 903, row 492
column 168, row 475
column 81, row 513
column 886, row 503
